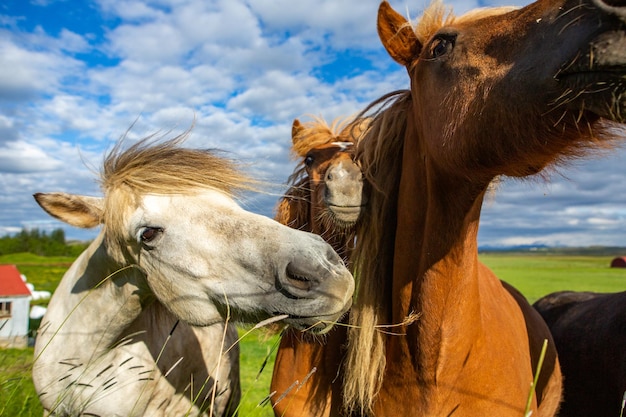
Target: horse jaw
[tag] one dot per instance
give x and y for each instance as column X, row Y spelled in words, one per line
column 599, row 76
column 214, row 260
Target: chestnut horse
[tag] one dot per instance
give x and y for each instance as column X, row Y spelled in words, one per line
column 494, row 92
column 326, row 198
column 589, row 330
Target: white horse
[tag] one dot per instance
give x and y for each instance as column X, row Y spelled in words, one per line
column 174, row 246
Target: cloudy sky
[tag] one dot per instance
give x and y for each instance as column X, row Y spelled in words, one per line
column 76, row 74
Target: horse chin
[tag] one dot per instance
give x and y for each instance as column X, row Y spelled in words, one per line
column 598, row 78
column 344, row 216
column 318, row 327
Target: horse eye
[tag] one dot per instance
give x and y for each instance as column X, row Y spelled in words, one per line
column 308, row 161
column 441, row 46
column 149, row 233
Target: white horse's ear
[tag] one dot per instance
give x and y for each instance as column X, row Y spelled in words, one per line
column 77, row 210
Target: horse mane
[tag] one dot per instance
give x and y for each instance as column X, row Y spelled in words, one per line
column 293, row 207
column 436, row 16
column 318, row 132
column 154, row 166
column 380, row 155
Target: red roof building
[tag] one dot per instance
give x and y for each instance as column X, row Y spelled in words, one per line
column 11, row 283
column 14, row 308
column 619, row 262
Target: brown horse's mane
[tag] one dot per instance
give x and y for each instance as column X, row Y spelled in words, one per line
column 154, row 166
column 380, row 153
column 437, row 15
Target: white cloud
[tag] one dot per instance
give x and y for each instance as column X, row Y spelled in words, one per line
column 240, row 71
column 18, row 157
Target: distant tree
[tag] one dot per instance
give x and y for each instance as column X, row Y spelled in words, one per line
column 58, row 235
column 40, row 243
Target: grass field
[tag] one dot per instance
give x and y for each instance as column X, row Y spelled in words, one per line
column 533, row 274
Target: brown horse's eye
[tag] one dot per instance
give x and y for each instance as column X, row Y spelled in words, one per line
column 441, row 45
column 308, row 161
column 150, row 233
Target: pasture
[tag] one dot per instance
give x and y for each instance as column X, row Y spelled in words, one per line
column 535, row 274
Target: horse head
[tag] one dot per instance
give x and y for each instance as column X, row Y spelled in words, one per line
column 516, row 89
column 334, row 179
column 171, row 212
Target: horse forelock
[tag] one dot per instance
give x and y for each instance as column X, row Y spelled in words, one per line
column 162, row 167
column 437, row 15
column 317, row 133
column 380, row 155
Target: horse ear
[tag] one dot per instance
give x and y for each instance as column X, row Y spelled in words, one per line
column 296, row 128
column 76, row 210
column 397, row 35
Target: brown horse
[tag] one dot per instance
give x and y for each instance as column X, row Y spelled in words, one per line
column 325, row 197
column 494, row 92
column 589, row 330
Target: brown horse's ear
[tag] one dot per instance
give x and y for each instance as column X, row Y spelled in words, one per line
column 77, row 210
column 296, row 128
column 397, row 35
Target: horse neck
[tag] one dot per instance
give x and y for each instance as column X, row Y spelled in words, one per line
column 96, row 300
column 436, row 265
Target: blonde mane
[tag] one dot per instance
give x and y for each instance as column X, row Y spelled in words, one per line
column 380, row 153
column 318, row 132
column 436, row 16
column 151, row 166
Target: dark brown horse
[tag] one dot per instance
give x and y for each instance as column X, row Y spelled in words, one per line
column 589, row 330
column 494, row 92
column 326, row 198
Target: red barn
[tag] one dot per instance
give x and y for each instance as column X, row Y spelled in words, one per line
column 619, row 262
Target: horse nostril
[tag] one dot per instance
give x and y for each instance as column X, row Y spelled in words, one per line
column 298, row 280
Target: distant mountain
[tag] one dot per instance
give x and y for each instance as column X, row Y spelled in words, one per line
column 561, row 250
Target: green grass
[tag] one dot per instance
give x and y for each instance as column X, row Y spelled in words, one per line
column 533, row 274
column 18, row 397
column 17, row 394
column 256, row 362
column 44, row 273
column 538, row 275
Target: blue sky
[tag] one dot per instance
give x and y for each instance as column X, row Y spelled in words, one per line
column 75, row 75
